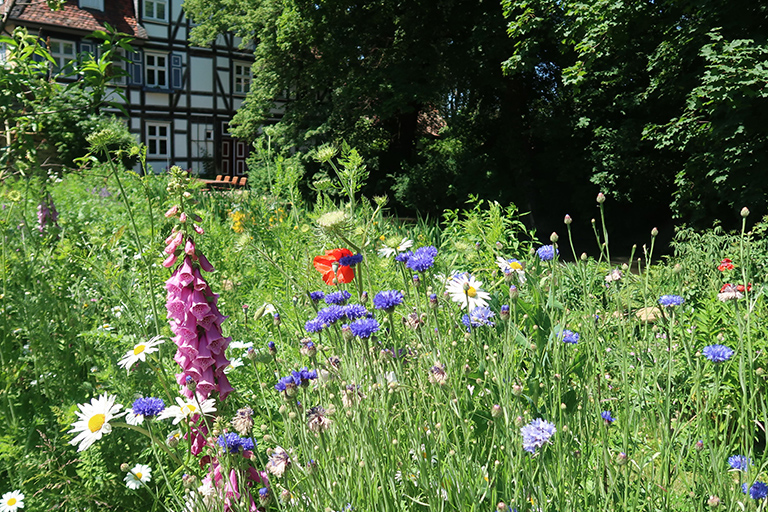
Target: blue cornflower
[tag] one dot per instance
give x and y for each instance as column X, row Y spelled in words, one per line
column 272, row 348
column 422, row 259
column 288, row 382
column 536, row 434
column 547, row 252
column 353, row 311
column 569, row 336
column 403, row 257
column 481, row 315
column 387, row 300
column 350, row 261
column 739, row 462
column 305, row 375
column 364, row 327
column 148, row 407
column 757, row 491
column 316, row 296
column 606, row 415
column 314, row 325
column 671, row 300
column 339, row 297
column 247, row 443
column 717, row 353
column 331, row 314
column 230, row 441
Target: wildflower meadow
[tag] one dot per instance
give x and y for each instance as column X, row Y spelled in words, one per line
column 170, row 348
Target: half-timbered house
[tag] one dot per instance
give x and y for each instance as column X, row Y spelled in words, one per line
column 180, row 97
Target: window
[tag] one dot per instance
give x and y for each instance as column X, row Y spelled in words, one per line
column 157, row 139
column 155, row 66
column 92, row 4
column 156, row 10
column 242, row 78
column 62, row 52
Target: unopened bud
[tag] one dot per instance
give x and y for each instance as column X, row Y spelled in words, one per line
column 744, row 212
column 583, row 256
column 621, row 459
column 654, row 232
column 496, row 410
column 517, row 389
column 553, row 237
column 600, row 198
column 567, row 220
column 502, row 507
column 713, row 501
column 124, row 467
column 513, row 292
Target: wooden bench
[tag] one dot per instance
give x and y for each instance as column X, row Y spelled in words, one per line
column 225, row 183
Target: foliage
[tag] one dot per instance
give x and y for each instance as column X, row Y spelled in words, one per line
column 48, row 112
column 412, row 88
column 664, row 98
column 428, row 412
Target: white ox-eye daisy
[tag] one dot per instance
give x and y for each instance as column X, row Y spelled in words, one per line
column 387, row 251
column 464, row 289
column 187, row 409
column 94, row 420
column 12, row 501
column 139, row 352
column 140, row 474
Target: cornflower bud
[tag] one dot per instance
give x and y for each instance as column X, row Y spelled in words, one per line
column 654, row 232
column 744, row 212
column 553, row 237
column 600, row 198
column 567, row 220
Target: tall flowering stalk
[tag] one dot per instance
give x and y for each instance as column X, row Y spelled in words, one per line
column 192, row 312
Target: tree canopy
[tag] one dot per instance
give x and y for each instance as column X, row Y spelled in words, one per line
column 655, row 102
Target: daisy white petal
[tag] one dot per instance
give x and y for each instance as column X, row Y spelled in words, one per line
column 12, row 501
column 140, row 474
column 465, row 290
column 187, row 409
column 94, row 420
column 139, row 352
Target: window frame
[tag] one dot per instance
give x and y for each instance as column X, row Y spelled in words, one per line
column 61, row 58
column 98, row 5
column 157, row 70
column 155, row 140
column 241, row 82
column 153, row 15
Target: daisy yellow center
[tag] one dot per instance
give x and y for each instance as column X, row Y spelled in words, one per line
column 96, row 422
column 11, row 502
column 189, row 409
column 138, row 475
column 471, row 292
column 138, row 349
column 515, row 266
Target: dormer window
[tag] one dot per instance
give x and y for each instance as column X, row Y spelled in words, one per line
column 92, row 4
column 156, row 10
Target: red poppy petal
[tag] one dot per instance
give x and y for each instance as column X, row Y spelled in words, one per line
column 346, row 274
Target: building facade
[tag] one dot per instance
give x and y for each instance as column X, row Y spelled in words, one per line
column 180, row 97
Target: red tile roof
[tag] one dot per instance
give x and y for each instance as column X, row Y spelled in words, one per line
column 120, row 14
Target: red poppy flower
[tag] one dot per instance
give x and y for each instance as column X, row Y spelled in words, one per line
column 726, row 264
column 741, row 287
column 332, row 271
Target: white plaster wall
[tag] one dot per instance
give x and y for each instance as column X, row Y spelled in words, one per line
column 201, row 77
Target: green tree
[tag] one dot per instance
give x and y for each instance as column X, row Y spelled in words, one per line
column 416, row 86
column 663, row 96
